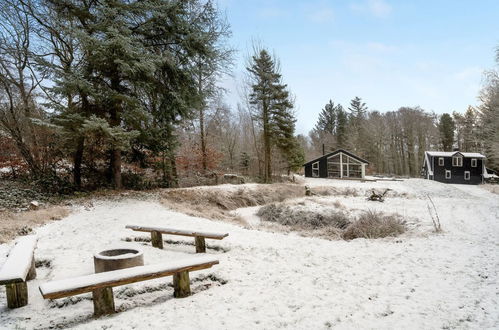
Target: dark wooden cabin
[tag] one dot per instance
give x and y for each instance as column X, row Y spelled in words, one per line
column 337, row 164
column 454, row 167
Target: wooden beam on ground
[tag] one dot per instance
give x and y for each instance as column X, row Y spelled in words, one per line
column 200, row 244
column 89, row 283
column 157, row 239
column 103, row 301
column 17, row 294
column 180, row 232
column 20, row 261
column 181, row 285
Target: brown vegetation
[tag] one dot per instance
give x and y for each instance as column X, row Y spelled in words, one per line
column 334, row 224
column 217, row 202
column 17, row 224
column 373, row 224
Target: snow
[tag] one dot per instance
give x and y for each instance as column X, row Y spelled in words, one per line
column 181, row 232
column 275, row 280
column 75, row 283
column 18, row 263
column 451, row 153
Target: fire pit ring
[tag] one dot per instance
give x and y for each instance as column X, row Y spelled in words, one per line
column 119, row 258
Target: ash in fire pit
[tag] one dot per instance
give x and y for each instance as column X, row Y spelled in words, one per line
column 117, row 259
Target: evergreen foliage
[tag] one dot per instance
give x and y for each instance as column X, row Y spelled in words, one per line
column 272, row 109
column 446, row 128
column 132, row 66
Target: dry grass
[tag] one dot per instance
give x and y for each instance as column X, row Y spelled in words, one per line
column 372, row 224
column 493, row 188
column 331, row 223
column 217, row 203
column 301, row 218
column 22, row 223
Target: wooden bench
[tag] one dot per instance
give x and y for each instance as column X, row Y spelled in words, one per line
column 157, row 239
column 19, row 268
column 101, row 284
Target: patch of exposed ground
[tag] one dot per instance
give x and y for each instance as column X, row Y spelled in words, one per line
column 13, row 224
column 493, row 188
column 217, row 202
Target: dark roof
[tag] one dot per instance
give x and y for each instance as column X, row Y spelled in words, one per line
column 452, row 153
column 335, row 152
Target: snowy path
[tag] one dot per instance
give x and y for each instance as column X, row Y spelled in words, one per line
column 417, row 281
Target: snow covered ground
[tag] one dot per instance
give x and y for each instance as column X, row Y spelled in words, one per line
column 272, row 280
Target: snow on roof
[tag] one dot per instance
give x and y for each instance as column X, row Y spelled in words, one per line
column 452, row 153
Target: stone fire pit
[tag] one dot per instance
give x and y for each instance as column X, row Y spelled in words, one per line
column 114, row 259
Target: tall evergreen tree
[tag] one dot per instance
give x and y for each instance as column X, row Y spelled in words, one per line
column 272, row 105
column 327, row 119
column 357, row 108
column 446, row 128
column 136, row 69
column 358, row 141
column 341, row 127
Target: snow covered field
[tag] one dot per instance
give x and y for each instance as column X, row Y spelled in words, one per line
column 272, row 280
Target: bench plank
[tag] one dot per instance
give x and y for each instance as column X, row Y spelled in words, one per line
column 70, row 287
column 179, row 232
column 19, row 261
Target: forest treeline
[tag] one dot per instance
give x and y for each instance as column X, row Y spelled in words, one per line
column 126, row 94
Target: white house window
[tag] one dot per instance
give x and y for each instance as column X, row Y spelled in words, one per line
column 315, row 169
column 441, row 161
column 473, row 162
column 457, row 161
column 447, row 174
column 466, row 175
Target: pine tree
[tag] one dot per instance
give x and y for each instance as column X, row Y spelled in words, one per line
column 327, row 119
column 446, row 128
column 357, row 118
column 136, row 68
column 341, row 127
column 357, row 108
column 272, row 105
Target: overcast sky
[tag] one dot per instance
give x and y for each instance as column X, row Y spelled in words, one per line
column 389, row 53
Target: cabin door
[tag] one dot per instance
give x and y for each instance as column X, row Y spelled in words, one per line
column 346, row 173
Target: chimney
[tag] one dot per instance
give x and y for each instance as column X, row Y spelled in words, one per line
column 455, row 149
column 323, row 150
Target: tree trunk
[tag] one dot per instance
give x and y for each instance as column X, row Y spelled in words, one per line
column 204, row 155
column 115, row 165
column 266, row 145
column 77, row 161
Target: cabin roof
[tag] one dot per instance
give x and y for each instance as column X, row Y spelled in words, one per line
column 452, row 153
column 335, row 152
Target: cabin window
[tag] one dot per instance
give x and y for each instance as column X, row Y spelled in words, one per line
column 466, row 175
column 334, row 166
column 441, row 161
column 473, row 162
column 447, row 174
column 457, row 161
column 315, row 169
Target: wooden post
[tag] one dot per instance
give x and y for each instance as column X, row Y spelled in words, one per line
column 200, row 244
column 181, row 284
column 17, row 294
column 32, row 271
column 103, row 301
column 157, row 239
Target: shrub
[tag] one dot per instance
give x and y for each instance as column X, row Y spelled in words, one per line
column 302, row 218
column 372, row 224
